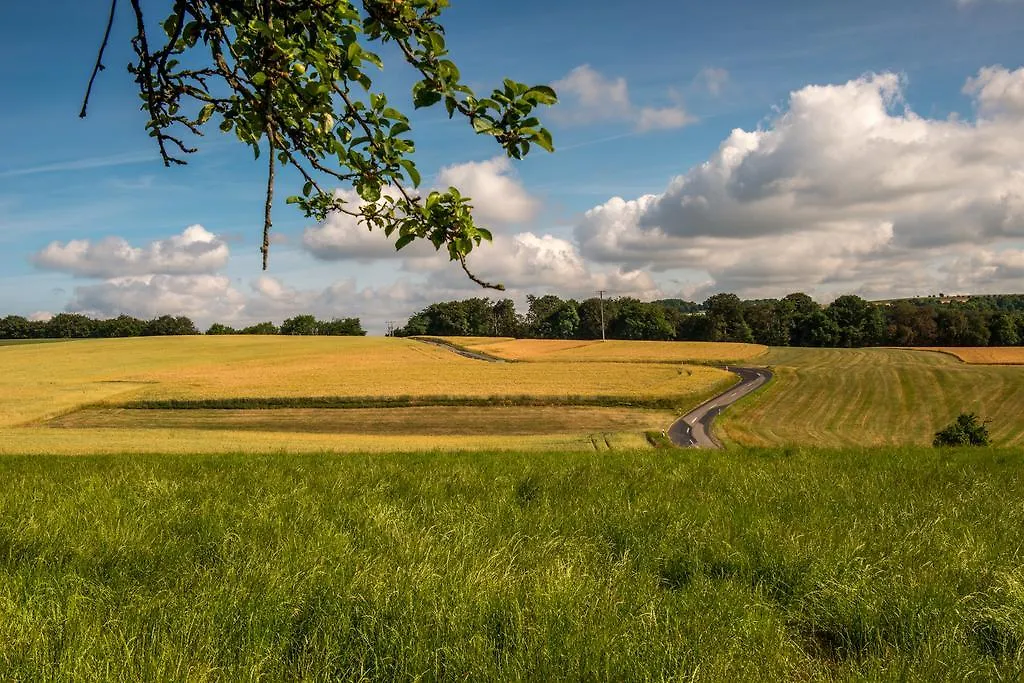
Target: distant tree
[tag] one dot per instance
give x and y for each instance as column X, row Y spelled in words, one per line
column 821, row 330
column 300, row 325
column 121, row 326
column 341, row 327
column 726, row 314
column 589, row 312
column 260, row 328
column 168, row 326
column 769, row 321
column 15, row 327
column 639, row 320
column 506, row 321
column 802, row 309
column 966, row 430
column 695, row 327
column 1004, row 330
column 417, row 325
column 859, row 322
column 217, row 328
column 70, row 326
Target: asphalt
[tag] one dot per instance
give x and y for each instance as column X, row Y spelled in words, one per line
column 693, row 430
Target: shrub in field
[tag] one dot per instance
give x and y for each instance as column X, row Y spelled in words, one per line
column 966, row 430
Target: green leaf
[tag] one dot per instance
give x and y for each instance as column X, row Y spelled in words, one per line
column 403, row 241
column 259, row 78
column 204, row 114
column 542, row 94
column 423, row 96
column 543, row 140
column 482, row 125
column 410, row 169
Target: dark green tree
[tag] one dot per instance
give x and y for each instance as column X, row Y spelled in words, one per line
column 260, row 328
column 966, row 430
column 218, row 328
column 305, row 324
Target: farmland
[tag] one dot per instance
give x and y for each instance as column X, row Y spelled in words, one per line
column 985, row 355
column 42, row 388
column 574, row 351
column 764, row 565
column 873, row 397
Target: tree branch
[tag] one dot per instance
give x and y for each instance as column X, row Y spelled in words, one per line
column 99, row 59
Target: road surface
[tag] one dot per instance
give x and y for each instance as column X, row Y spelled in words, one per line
column 693, row 430
column 465, row 353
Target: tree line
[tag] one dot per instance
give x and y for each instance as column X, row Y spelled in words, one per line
column 794, row 320
column 78, row 326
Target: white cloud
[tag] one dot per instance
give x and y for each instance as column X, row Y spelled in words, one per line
column 530, row 263
column 846, row 189
column 195, row 250
column 497, row 197
column 587, row 96
column 714, row 79
column 202, row 297
column 998, row 91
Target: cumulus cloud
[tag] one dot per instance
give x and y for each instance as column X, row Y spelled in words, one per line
column 998, row 92
column 843, row 188
column 497, row 195
column 531, row 263
column 590, row 97
column 194, row 251
column 202, row 297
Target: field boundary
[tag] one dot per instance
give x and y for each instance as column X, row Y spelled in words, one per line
column 347, row 402
column 951, row 354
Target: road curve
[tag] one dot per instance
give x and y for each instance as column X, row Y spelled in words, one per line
column 693, row 430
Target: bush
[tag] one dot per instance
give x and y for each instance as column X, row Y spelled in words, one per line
column 966, row 430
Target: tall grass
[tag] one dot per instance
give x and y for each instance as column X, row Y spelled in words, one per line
column 500, row 566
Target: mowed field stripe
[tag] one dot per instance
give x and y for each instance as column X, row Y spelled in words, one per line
column 837, row 397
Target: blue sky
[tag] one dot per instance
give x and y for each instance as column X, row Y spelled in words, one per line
column 650, row 98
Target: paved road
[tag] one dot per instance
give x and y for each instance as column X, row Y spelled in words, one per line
column 693, row 430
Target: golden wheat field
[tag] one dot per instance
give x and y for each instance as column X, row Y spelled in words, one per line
column 984, row 355
column 569, row 350
column 39, row 382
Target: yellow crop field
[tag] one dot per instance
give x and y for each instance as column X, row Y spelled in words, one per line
column 984, row 355
column 42, row 381
column 569, row 350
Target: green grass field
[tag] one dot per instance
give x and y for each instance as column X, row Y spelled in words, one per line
column 873, row 397
column 763, row 565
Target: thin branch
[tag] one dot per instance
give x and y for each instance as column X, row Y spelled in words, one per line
column 474, row 278
column 99, row 59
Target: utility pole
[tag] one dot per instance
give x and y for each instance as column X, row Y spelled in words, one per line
column 390, row 329
column 601, row 293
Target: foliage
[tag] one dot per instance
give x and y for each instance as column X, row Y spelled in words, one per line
column 294, row 79
column 218, row 328
column 966, row 430
column 489, row 566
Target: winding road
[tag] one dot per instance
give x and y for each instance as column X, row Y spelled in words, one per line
column 693, row 430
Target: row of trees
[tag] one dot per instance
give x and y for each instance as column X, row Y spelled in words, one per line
column 78, row 326
column 794, row 320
